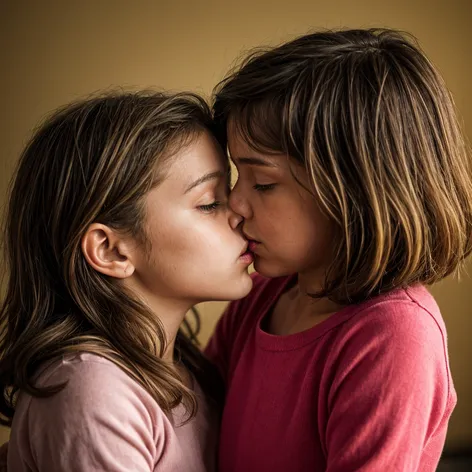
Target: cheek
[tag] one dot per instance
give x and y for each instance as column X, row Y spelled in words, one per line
column 278, row 216
column 216, row 237
column 318, row 234
column 197, row 239
column 170, row 235
column 301, row 226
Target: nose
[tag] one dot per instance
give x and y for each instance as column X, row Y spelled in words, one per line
column 234, row 219
column 239, row 204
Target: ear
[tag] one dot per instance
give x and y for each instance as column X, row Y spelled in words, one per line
column 107, row 251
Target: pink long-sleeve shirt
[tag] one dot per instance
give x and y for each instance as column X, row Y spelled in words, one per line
column 105, row 421
column 369, row 389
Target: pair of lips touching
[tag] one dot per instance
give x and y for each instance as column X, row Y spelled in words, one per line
column 250, row 246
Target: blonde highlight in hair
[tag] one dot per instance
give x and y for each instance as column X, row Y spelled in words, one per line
column 92, row 161
column 373, row 123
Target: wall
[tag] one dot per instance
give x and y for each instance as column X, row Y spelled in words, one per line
column 54, row 51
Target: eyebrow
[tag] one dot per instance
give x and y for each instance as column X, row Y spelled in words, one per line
column 254, row 161
column 205, row 178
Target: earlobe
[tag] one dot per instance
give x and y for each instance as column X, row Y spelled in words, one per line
column 106, row 251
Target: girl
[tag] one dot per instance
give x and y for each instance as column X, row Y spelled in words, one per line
column 117, row 224
column 355, row 190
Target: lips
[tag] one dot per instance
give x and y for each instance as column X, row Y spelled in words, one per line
column 246, row 256
column 250, row 238
column 245, row 249
column 252, row 245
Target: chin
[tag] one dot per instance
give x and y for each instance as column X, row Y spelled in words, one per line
column 238, row 289
column 244, row 288
column 270, row 269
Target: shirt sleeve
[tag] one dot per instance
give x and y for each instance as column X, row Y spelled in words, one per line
column 102, row 420
column 391, row 392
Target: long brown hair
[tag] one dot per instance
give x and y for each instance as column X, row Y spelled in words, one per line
column 92, row 161
column 373, row 123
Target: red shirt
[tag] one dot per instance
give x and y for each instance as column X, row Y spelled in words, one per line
column 369, row 389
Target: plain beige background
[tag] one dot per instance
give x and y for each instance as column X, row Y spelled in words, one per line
column 55, row 51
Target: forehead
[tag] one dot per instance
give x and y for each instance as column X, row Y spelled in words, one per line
column 243, row 154
column 200, row 154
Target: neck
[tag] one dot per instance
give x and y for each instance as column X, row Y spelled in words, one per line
column 170, row 311
column 310, row 283
column 297, row 310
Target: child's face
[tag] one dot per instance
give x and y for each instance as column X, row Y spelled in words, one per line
column 289, row 233
column 196, row 244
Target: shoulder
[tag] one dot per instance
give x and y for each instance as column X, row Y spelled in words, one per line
column 411, row 312
column 87, row 376
column 101, row 415
column 387, row 379
column 97, row 396
column 400, row 335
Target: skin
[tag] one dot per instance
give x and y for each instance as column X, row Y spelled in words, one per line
column 198, row 252
column 287, row 230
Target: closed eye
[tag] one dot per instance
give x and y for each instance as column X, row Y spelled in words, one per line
column 263, row 188
column 211, row 207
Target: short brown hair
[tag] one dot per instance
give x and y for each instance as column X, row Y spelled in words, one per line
column 372, row 121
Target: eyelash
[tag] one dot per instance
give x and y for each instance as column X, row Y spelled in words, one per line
column 263, row 188
column 210, row 208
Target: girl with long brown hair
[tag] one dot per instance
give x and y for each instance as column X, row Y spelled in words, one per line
column 117, row 224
